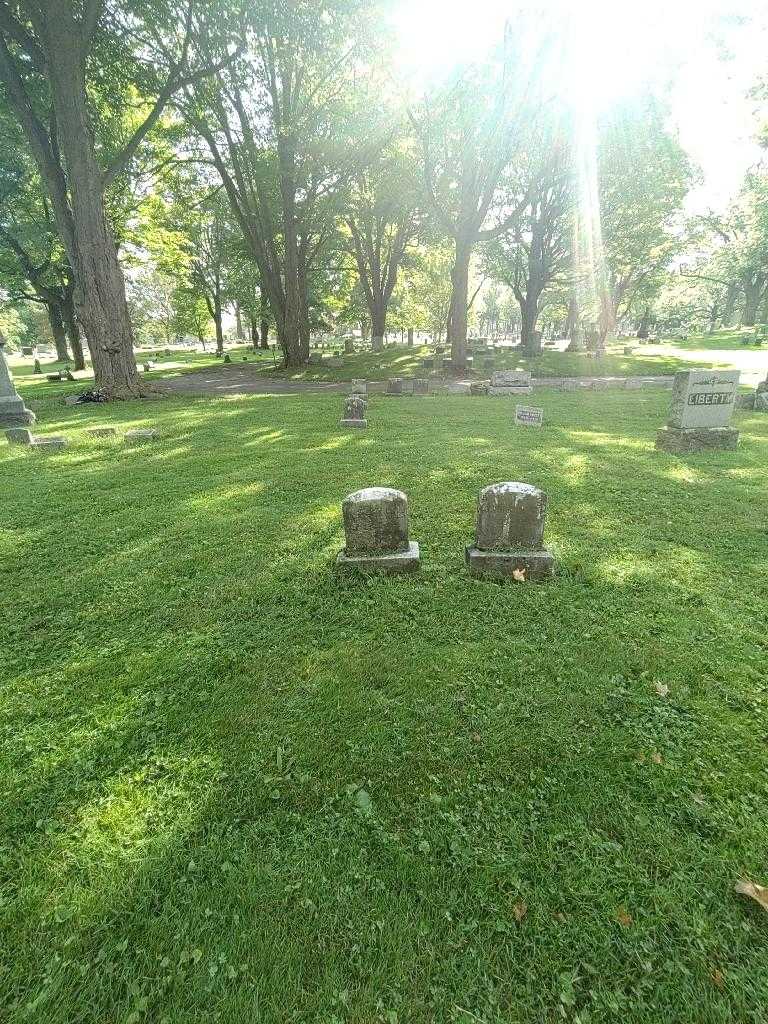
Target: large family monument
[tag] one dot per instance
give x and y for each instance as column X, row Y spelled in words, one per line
column 13, row 412
column 700, row 413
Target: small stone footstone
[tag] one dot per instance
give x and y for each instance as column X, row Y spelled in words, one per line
column 359, row 387
column 700, row 413
column 509, row 532
column 13, row 412
column 141, row 436
column 71, row 399
column 101, row 431
column 354, row 412
column 376, row 531
column 19, row 435
column 507, row 383
column 420, row 386
column 49, row 444
column 394, row 386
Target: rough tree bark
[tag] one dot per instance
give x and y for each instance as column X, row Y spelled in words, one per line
column 56, row 322
column 73, row 331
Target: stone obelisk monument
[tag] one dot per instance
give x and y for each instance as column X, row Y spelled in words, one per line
column 13, row 412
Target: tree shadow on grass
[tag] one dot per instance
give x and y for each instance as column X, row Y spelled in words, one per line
column 201, row 701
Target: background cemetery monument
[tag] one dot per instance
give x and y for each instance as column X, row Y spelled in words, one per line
column 700, row 413
column 13, row 412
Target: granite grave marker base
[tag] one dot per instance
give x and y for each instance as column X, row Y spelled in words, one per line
column 682, row 441
column 376, row 531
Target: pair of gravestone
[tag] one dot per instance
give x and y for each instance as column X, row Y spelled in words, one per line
column 700, row 413
column 407, row 386
column 509, row 532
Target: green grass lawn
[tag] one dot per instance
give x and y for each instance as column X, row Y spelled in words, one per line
column 724, row 340
column 236, row 788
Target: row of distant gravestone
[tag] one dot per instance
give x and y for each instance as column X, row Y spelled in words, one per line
column 509, row 534
column 699, row 416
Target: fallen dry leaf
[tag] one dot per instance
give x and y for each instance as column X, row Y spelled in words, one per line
column 476, row 737
column 662, row 689
column 758, row 893
column 718, row 979
column 656, row 757
column 519, row 575
column 519, row 910
column 624, row 919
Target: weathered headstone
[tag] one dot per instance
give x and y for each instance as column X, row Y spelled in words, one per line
column 700, row 413
column 629, row 350
column 37, row 367
column 460, row 387
column 13, row 412
column 529, row 415
column 335, row 362
column 349, row 346
column 509, row 532
column 761, row 402
column 598, row 384
column 507, row 383
column 141, row 436
column 49, row 444
column 359, row 387
column 315, row 359
column 376, row 531
column 408, row 386
column 633, row 384
column 19, row 435
column 101, row 431
column 420, row 386
column 355, row 408
column 394, row 386
column 568, row 384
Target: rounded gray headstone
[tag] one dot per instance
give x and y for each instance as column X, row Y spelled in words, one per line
column 354, row 408
column 375, row 521
column 510, row 517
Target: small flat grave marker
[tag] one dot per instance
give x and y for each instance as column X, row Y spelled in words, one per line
column 529, row 415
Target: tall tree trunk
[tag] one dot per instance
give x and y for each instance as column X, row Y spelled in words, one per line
column 304, row 331
column 764, row 310
column 378, row 313
column 643, row 326
column 264, row 333
column 56, row 321
column 217, row 324
column 410, row 336
column 73, row 333
column 530, row 339
column 753, row 289
column 254, row 333
column 99, row 293
column 730, row 303
column 239, row 323
column 457, row 314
